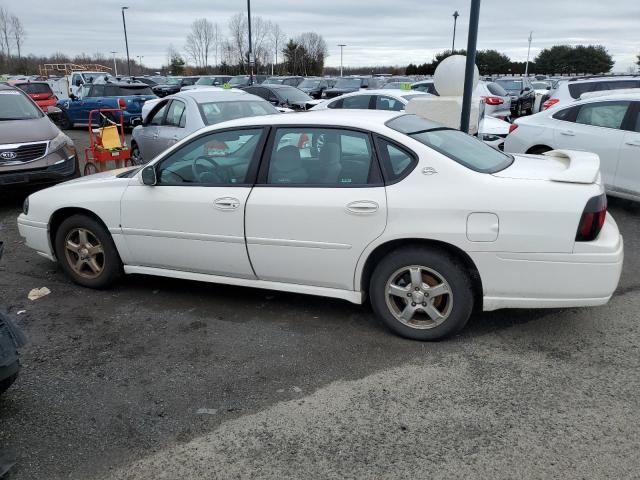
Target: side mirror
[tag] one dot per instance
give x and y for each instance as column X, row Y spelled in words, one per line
column 72, row 97
column 548, row 87
column 527, row 89
column 53, row 110
column 149, row 176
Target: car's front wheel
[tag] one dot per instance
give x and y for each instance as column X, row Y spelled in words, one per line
column 421, row 293
column 86, row 252
column 136, row 155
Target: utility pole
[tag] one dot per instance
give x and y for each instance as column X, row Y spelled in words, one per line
column 341, row 45
column 526, row 68
column 115, row 66
column 251, row 59
column 472, row 42
column 140, row 57
column 126, row 42
column 455, row 21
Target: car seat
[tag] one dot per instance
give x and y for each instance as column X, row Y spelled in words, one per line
column 286, row 166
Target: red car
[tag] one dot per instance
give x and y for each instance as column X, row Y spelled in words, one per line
column 40, row 92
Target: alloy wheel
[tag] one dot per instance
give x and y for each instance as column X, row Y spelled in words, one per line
column 419, row 297
column 84, row 253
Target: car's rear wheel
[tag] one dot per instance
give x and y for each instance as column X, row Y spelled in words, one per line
column 421, row 294
column 86, row 252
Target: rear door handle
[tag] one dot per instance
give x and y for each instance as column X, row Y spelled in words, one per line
column 633, row 143
column 362, row 207
column 568, row 133
column 226, row 203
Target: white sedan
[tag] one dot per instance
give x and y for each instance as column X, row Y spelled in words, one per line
column 607, row 125
column 426, row 222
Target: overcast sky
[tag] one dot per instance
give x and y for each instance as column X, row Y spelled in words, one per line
column 377, row 32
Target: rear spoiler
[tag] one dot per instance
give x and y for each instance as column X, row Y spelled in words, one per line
column 582, row 167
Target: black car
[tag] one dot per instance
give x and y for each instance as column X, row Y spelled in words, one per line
column 350, row 84
column 523, row 96
column 10, row 340
column 314, row 86
column 292, row 81
column 283, row 96
column 173, row 85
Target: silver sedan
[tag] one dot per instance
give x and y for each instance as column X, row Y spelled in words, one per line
column 170, row 119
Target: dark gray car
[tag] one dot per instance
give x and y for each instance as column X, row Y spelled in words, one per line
column 33, row 150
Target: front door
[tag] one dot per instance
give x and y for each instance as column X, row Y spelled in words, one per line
column 150, row 146
column 318, row 203
column 193, row 218
column 173, row 127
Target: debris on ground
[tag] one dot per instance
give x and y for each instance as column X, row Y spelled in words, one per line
column 37, row 293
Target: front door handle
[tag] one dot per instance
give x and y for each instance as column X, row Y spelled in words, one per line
column 568, row 133
column 362, row 207
column 226, row 203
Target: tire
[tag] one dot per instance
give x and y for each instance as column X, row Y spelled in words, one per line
column 89, row 169
column 93, row 260
column 7, row 382
column 437, row 268
column 136, row 154
column 65, row 122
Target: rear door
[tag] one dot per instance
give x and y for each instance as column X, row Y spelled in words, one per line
column 628, row 173
column 596, row 128
column 318, row 203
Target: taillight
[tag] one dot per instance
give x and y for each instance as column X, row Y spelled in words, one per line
column 550, row 103
column 122, row 103
column 512, row 127
column 592, row 219
column 493, row 100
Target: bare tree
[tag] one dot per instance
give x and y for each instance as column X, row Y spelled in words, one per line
column 200, row 42
column 238, row 41
column 315, row 49
column 277, row 38
column 18, row 33
column 5, row 31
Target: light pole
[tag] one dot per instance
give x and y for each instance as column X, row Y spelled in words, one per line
column 251, row 60
column 526, row 68
column 115, row 66
column 140, row 57
column 455, row 21
column 341, row 45
column 126, row 42
column 472, row 41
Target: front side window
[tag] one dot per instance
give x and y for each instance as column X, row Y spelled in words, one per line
column 388, row 103
column 96, row 91
column 609, row 114
column 460, row 147
column 321, row 157
column 175, row 114
column 157, row 117
column 219, row 158
column 356, row 102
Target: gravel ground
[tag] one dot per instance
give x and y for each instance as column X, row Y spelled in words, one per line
column 159, row 378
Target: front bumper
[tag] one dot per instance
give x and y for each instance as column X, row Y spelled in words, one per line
column 36, row 236
column 587, row 277
column 56, row 173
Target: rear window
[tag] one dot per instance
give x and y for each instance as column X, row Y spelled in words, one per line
column 578, row 88
column 459, row 147
column 513, row 85
column 135, row 91
column 34, row 88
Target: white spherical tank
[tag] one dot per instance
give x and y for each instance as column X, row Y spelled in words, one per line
column 449, row 76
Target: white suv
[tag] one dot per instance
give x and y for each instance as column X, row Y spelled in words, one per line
column 574, row 88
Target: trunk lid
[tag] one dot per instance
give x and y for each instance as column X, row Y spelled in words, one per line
column 557, row 165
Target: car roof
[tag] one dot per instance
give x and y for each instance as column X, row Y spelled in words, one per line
column 628, row 96
column 371, row 119
column 390, row 92
column 275, row 85
column 201, row 95
column 604, row 78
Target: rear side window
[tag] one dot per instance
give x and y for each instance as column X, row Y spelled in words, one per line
column 396, row 161
column 388, row 103
column 356, row 102
column 606, row 114
column 566, row 114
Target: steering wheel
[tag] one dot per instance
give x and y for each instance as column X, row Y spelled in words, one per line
column 200, row 172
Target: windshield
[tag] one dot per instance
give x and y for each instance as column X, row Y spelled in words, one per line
column 174, row 80
column 273, row 81
column 216, row 112
column 34, row 88
column 510, row 84
column 348, row 83
column 460, row 147
column 15, row 106
column 239, row 80
column 309, row 84
column 292, row 94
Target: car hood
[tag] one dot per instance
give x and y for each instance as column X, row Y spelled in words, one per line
column 97, row 177
column 567, row 166
column 33, row 130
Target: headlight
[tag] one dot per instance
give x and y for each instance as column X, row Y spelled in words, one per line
column 61, row 140
column 25, row 206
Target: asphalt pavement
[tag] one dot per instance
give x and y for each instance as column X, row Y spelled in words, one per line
column 167, row 379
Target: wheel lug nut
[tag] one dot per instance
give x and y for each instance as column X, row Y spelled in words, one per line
column 409, row 294
column 417, row 289
column 413, row 304
column 424, row 304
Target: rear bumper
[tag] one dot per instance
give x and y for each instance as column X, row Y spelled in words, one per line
column 56, row 173
column 587, row 277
